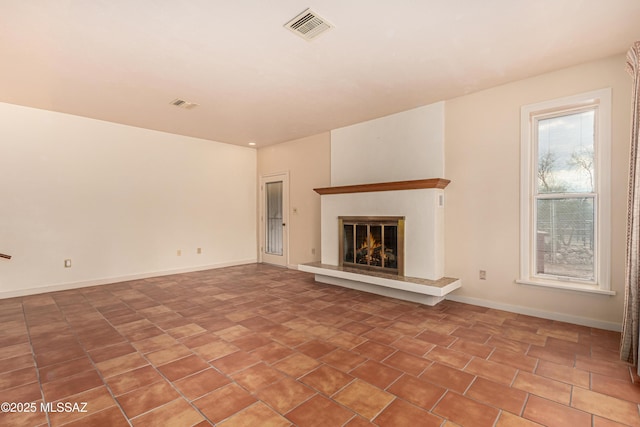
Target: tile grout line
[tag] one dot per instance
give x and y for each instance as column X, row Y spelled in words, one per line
column 33, row 354
column 98, row 372
column 129, row 420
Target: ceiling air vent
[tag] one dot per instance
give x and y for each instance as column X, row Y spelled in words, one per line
column 308, row 25
column 183, row 104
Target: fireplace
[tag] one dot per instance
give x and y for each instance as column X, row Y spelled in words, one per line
column 372, row 243
column 396, row 256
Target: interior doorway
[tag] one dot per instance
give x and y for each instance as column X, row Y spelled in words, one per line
column 274, row 236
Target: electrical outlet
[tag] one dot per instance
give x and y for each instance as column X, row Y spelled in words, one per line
column 179, row 253
column 483, row 275
column 313, row 251
column 67, row 263
column 199, row 250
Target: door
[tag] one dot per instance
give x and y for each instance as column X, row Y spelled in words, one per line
column 275, row 206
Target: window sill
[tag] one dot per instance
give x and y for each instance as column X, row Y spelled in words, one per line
column 578, row 287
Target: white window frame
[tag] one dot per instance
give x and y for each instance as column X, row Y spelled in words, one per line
column 601, row 100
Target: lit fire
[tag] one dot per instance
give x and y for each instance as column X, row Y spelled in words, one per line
column 360, row 245
column 370, row 242
column 369, row 246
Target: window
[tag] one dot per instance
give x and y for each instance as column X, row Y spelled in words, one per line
column 565, row 149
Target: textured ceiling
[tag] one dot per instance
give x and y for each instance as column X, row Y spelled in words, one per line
column 124, row 61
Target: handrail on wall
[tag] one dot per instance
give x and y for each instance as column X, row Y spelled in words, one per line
column 5, row 256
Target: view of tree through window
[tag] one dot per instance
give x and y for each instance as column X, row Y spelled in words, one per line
column 565, row 195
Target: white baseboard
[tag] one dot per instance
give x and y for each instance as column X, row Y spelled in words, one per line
column 109, row 280
column 561, row 317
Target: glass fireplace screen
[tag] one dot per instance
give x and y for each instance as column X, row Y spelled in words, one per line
column 372, row 243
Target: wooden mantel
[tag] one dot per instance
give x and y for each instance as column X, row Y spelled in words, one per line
column 417, row 184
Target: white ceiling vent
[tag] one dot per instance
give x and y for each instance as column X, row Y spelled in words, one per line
column 308, row 25
column 183, row 104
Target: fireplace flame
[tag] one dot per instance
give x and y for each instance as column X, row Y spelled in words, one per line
column 370, row 242
column 369, row 246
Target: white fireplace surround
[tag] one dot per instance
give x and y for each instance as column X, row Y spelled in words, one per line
column 423, row 209
column 424, row 224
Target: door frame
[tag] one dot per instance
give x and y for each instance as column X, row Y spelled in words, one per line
column 262, row 256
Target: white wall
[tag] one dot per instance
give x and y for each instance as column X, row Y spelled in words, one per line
column 400, row 147
column 308, row 162
column 118, row 201
column 483, row 163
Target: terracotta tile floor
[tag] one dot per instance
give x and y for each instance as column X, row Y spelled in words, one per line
column 261, row 346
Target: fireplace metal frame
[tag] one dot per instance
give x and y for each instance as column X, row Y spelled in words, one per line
column 397, row 221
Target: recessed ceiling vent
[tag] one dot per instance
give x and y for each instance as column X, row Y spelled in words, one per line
column 308, row 25
column 183, row 104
